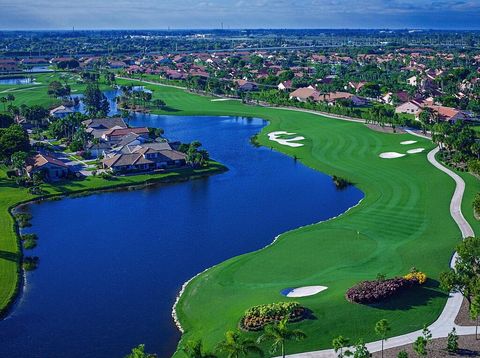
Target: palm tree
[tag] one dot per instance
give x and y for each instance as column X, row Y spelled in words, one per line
column 279, row 334
column 234, row 346
column 194, row 349
column 381, row 329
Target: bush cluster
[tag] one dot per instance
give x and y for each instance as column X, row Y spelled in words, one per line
column 367, row 292
column 417, row 277
column 255, row 318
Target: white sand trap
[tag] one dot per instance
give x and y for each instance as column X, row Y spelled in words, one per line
column 407, row 142
column 306, row 291
column 416, row 150
column 220, row 99
column 391, row 155
column 274, row 136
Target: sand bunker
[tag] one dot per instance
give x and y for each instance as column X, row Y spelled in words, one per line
column 417, row 150
column 407, row 142
column 220, row 99
column 303, row 291
column 274, row 136
column 391, row 155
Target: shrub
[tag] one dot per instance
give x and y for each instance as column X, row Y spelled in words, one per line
column 417, row 276
column 23, row 219
column 367, row 292
column 341, row 183
column 452, row 341
column 255, row 318
column 402, row 354
column 30, row 263
column 29, row 237
column 476, row 203
column 29, row 244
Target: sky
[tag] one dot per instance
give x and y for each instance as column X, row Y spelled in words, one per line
column 238, row 14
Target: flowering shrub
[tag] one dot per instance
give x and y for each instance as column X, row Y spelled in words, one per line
column 257, row 317
column 417, row 276
column 367, row 292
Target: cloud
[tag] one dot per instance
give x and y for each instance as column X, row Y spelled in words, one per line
column 53, row 14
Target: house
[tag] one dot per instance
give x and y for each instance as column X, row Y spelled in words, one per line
column 412, row 81
column 117, row 134
column 61, row 111
column 411, row 107
column 246, row 86
column 52, row 168
column 333, row 97
column 98, row 126
column 285, row 85
column 145, row 159
column 303, row 94
column 7, row 65
column 448, row 114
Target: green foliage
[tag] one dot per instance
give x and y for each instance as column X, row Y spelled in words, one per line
column 452, row 341
column 402, row 354
column 23, row 219
column 95, row 101
column 194, row 349
column 13, row 139
column 30, row 263
column 465, row 277
column 235, row 346
column 339, row 343
column 476, row 203
column 361, row 350
column 420, row 346
column 56, row 89
column 139, row 352
column 29, row 244
column 279, row 334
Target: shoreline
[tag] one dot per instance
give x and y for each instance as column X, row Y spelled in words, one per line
column 7, row 310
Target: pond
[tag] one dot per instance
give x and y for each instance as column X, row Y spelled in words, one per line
column 112, row 264
column 16, row 80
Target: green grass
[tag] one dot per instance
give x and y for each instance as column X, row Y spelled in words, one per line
column 11, row 195
column 36, row 94
column 403, row 221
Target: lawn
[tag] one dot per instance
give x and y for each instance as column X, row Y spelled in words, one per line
column 11, row 195
column 403, row 221
column 36, row 94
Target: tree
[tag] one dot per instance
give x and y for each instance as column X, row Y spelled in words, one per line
column 13, row 139
column 35, row 114
column 465, row 276
column 279, row 334
column 452, row 341
column 381, row 329
column 361, row 350
column 18, row 160
column 420, row 346
column 5, row 120
column 95, row 101
column 234, row 346
column 475, row 312
column 194, row 349
column 338, row 344
column 139, row 352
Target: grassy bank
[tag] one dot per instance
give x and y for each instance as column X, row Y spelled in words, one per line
column 11, row 195
column 403, row 221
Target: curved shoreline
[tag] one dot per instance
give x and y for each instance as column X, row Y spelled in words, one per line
column 8, row 309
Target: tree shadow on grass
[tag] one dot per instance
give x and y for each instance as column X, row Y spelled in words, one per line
column 170, row 109
column 9, row 256
column 413, row 297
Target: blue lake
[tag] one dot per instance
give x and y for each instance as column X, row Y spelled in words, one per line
column 112, row 264
column 16, row 81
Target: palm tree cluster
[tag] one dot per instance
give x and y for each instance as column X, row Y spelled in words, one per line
column 235, row 345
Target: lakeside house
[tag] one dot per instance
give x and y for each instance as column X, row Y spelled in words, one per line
column 145, row 159
column 246, row 86
column 52, row 168
column 98, row 126
column 61, row 111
